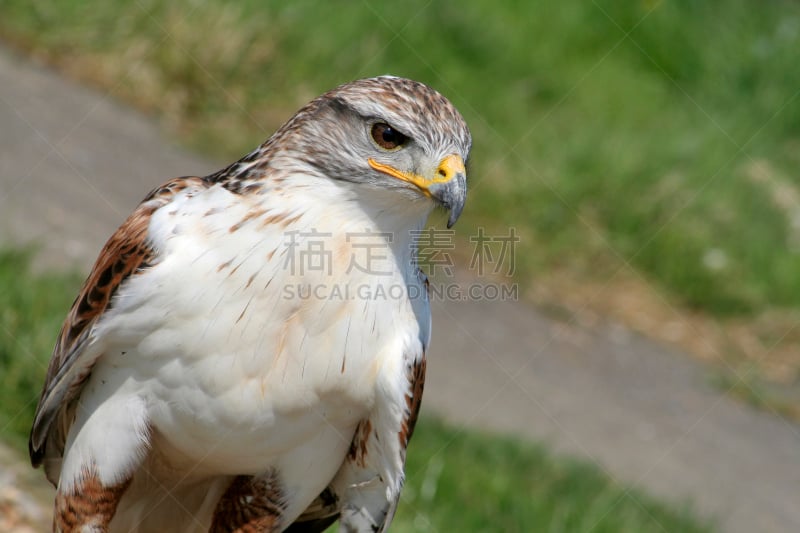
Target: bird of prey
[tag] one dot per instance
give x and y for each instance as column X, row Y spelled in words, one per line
column 248, row 352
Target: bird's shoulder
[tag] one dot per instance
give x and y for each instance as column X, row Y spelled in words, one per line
column 128, row 252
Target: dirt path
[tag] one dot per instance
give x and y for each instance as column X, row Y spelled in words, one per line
column 73, row 163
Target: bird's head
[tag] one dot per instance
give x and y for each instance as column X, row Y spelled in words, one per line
column 389, row 133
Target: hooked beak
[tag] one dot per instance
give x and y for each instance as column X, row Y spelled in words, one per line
column 448, row 184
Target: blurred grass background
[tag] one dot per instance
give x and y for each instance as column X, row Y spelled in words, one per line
column 637, row 147
column 32, row 308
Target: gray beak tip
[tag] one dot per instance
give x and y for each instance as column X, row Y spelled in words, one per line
column 454, row 214
column 452, row 196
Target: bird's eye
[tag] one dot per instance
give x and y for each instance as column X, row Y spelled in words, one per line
column 386, row 136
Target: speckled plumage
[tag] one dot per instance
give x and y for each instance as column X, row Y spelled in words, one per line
column 195, row 387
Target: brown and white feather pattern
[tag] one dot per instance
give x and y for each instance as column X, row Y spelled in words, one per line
column 196, row 387
column 126, row 253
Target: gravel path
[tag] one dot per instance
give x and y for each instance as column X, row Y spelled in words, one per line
column 73, row 163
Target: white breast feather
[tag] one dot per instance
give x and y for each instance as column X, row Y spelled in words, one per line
column 211, row 340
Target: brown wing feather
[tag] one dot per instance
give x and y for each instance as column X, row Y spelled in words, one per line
column 126, row 253
column 416, row 378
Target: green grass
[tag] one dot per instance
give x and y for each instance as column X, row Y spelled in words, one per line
column 746, row 383
column 675, row 148
column 457, row 480
column 468, row 481
column 32, row 309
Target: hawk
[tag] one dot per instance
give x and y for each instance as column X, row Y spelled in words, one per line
column 209, row 378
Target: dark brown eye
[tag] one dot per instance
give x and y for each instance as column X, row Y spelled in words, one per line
column 386, row 136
